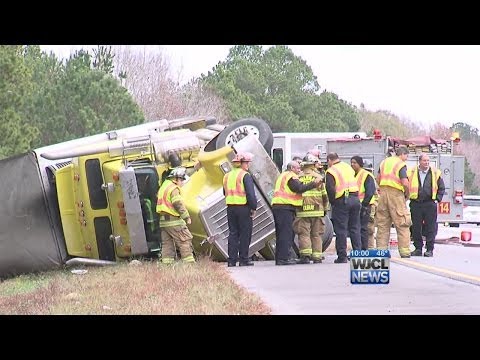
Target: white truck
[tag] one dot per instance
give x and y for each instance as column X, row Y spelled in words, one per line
column 373, row 150
column 287, row 145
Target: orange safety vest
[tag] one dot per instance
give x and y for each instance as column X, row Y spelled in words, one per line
column 390, row 172
column 361, row 177
column 415, row 183
column 164, row 201
column 344, row 177
column 235, row 193
column 282, row 193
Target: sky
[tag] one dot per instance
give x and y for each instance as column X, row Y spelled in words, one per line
column 425, row 84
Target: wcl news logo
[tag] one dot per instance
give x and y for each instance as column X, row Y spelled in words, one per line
column 370, row 267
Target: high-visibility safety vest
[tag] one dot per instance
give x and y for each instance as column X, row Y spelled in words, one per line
column 344, row 177
column 235, row 193
column 390, row 172
column 282, row 193
column 312, row 200
column 165, row 204
column 165, row 201
column 415, row 183
column 361, row 177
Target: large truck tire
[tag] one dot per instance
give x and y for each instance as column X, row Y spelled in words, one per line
column 326, row 238
column 328, row 234
column 243, row 127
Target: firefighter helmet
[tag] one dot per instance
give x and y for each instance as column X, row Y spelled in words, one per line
column 310, row 159
column 178, row 172
column 314, row 152
column 242, row 157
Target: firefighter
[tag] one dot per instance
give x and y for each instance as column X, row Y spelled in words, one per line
column 174, row 218
column 426, row 190
column 366, row 190
column 342, row 193
column 309, row 224
column 241, row 203
column 318, row 166
column 372, row 219
column 287, row 198
column 394, row 190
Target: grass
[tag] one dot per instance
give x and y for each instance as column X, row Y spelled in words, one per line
column 203, row 288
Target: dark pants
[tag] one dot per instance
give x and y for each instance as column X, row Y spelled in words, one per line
column 346, row 220
column 284, row 232
column 364, row 221
column 424, row 216
column 240, row 226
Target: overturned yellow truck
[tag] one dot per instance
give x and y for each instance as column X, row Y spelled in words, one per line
column 92, row 200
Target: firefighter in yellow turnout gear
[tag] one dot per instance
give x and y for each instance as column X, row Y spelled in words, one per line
column 174, row 218
column 309, row 224
column 394, row 191
column 372, row 220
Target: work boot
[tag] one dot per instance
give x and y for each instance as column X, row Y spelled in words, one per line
column 428, row 253
column 246, row 263
column 232, row 264
column 407, row 256
column 340, row 260
column 317, row 261
column 416, row 252
column 285, row 262
column 304, row 260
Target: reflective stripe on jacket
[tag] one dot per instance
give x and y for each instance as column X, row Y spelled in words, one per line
column 235, row 193
column 361, row 177
column 344, row 177
column 164, row 200
column 415, row 183
column 390, row 172
column 312, row 200
column 282, row 193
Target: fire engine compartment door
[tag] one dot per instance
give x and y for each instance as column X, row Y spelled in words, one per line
column 133, row 211
column 452, row 168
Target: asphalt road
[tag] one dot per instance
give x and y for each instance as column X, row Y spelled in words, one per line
column 448, row 283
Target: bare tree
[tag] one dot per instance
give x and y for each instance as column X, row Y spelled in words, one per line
column 440, row 131
column 150, row 78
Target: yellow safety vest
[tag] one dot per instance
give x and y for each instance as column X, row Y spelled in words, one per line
column 361, row 177
column 344, row 177
column 282, row 193
column 164, row 200
column 415, row 183
column 312, row 200
column 235, row 193
column 390, row 172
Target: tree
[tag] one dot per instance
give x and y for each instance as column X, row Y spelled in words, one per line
column 148, row 76
column 387, row 122
column 17, row 134
column 73, row 99
column 466, row 131
column 279, row 87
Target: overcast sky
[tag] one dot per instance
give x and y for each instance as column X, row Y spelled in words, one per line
column 423, row 83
